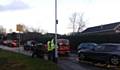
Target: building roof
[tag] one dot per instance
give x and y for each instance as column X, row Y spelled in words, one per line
column 102, row 28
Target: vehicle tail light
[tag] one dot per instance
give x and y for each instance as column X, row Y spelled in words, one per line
column 14, row 44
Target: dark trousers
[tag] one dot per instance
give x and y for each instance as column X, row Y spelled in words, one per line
column 51, row 55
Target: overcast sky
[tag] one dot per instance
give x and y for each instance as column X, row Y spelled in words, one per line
column 40, row 13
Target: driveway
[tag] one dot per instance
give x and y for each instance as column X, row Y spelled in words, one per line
column 71, row 63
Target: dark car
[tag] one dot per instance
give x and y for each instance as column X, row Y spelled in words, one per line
column 29, row 45
column 108, row 53
column 86, row 46
column 39, row 50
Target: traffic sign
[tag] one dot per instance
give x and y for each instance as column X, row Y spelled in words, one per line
column 19, row 27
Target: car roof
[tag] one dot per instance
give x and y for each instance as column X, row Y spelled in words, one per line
column 89, row 43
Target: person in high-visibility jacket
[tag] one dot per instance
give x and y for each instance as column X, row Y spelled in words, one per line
column 51, row 50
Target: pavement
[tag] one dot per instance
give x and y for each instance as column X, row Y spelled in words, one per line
column 17, row 50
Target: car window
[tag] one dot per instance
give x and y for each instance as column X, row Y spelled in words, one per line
column 117, row 48
column 83, row 46
column 106, row 48
column 87, row 46
column 110, row 48
column 92, row 46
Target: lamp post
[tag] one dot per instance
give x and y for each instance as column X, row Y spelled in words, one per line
column 56, row 22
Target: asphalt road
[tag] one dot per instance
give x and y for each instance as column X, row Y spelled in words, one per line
column 66, row 63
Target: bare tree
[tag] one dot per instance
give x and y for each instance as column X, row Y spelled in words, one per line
column 77, row 22
column 10, row 30
column 2, row 29
column 25, row 28
column 81, row 23
column 73, row 20
column 35, row 29
column 31, row 29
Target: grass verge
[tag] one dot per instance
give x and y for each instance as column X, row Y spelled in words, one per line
column 15, row 61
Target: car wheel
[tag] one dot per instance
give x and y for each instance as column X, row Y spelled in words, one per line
column 114, row 60
column 81, row 56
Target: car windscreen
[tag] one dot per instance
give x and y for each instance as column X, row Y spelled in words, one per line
column 86, row 46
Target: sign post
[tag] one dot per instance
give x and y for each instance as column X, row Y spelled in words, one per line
column 19, row 28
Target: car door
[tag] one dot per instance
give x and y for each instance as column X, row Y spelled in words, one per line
column 90, row 52
column 100, row 53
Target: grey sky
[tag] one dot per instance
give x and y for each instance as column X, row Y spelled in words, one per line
column 40, row 13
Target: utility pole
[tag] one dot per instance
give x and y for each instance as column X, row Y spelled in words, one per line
column 56, row 22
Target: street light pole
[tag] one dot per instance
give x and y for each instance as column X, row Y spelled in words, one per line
column 56, row 22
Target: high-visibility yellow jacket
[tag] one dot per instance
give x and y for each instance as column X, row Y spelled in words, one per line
column 51, row 45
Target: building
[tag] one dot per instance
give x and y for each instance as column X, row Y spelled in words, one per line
column 103, row 29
